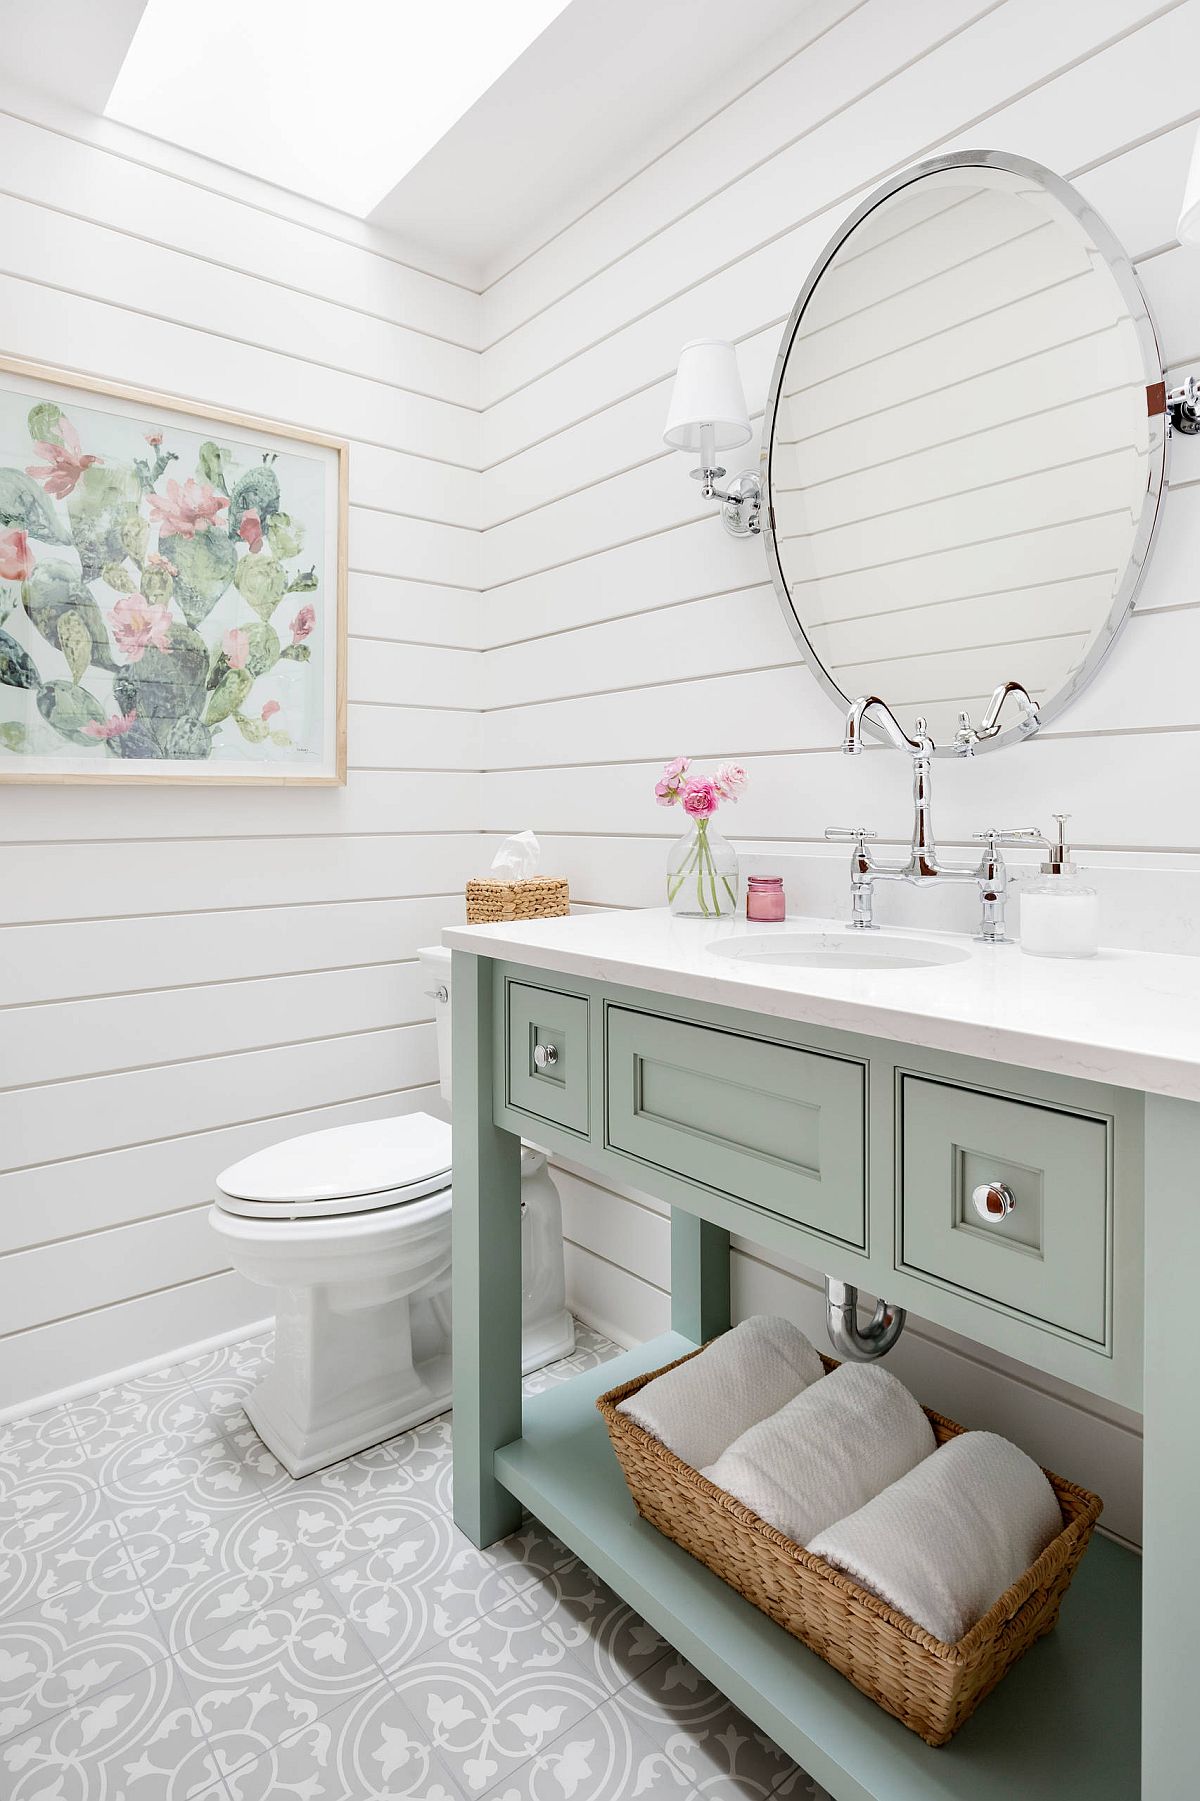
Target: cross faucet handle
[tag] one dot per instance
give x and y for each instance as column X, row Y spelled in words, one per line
column 1008, row 835
column 857, row 835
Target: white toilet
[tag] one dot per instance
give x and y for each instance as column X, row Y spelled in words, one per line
column 351, row 1228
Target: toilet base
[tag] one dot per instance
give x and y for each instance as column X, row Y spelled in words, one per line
column 303, row 1452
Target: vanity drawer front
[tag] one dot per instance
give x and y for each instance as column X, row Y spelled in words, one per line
column 768, row 1123
column 1048, row 1259
column 546, row 1067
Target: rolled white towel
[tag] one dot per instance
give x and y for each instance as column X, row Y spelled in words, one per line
column 825, row 1453
column 943, row 1543
column 701, row 1407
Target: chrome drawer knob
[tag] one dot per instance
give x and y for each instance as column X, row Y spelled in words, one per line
column 545, row 1056
column 993, row 1201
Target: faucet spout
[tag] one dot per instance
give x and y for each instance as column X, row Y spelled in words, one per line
column 871, row 704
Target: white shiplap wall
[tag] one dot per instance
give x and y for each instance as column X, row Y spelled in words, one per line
column 185, row 976
column 622, row 626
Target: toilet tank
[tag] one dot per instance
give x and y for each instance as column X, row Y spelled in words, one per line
column 435, row 968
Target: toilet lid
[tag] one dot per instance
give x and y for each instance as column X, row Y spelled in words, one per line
column 371, row 1158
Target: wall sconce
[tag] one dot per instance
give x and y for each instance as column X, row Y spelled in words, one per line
column 708, row 414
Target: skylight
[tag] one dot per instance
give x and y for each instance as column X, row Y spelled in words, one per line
column 336, row 99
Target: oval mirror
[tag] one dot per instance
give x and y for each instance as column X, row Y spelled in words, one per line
column 966, row 441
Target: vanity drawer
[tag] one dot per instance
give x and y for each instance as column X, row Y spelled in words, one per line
column 546, row 1065
column 1048, row 1259
column 769, row 1123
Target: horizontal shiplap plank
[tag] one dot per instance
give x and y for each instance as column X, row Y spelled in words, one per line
column 421, row 550
column 126, row 270
column 57, row 1202
column 42, row 963
column 116, row 344
column 70, row 1039
column 373, row 800
column 99, row 1113
column 413, row 612
column 56, row 1280
column 619, row 1304
column 422, row 675
column 423, row 488
column 109, row 879
column 413, row 737
column 47, row 165
column 597, row 1220
column 79, row 1349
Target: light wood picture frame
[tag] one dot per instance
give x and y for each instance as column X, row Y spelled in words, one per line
column 172, row 589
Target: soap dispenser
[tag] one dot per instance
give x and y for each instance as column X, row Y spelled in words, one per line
column 1060, row 915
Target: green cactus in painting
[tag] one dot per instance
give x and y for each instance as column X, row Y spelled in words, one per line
column 68, row 708
column 54, row 590
column 206, row 564
column 17, row 667
column 257, row 491
column 22, row 504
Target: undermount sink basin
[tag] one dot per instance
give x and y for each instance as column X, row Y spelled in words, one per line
column 837, row 950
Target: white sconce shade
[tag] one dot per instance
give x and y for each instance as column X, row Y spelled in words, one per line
column 708, row 406
column 1189, row 216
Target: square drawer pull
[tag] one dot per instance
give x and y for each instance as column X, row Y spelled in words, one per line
column 993, row 1201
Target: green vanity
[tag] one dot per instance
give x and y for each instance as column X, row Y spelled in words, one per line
column 964, row 452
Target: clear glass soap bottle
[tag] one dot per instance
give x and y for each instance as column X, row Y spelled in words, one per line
column 1060, row 915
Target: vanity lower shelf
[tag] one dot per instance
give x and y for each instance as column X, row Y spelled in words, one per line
column 1064, row 1722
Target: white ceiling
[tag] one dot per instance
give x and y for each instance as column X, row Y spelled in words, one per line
column 592, row 99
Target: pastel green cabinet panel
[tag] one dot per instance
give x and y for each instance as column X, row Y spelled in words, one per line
column 781, row 1127
column 546, row 1071
column 1048, row 1259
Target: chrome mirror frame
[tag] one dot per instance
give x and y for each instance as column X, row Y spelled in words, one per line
column 1126, row 279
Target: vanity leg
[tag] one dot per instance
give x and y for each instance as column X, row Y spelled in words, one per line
column 486, row 1246
column 699, row 1277
column 1171, row 1468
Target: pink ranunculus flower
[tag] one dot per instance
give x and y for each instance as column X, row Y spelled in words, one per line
column 677, row 767
column 250, row 531
column 186, row 509
column 303, row 624
column 730, row 779
column 64, row 464
column 16, row 558
column 665, row 795
column 139, row 625
column 701, row 799
column 116, row 727
column 269, row 711
column 236, row 645
column 155, row 561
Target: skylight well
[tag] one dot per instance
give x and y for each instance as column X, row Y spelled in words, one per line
column 334, row 101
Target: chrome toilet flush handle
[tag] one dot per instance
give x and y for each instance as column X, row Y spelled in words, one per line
column 545, row 1056
column 993, row 1201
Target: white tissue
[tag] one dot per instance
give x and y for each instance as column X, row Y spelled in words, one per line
column 517, row 858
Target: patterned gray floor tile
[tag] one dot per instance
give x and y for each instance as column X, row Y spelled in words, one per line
column 51, row 1661
column 52, row 1527
column 798, row 1785
column 610, row 1638
column 143, row 1444
column 424, row 1457
column 274, row 1671
column 367, row 1749
column 363, row 1504
column 716, row 1747
column 495, row 1694
column 603, row 1757
column 42, row 1444
column 204, row 1567
column 139, row 1740
column 248, row 1358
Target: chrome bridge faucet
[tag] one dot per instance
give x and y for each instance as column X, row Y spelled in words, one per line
column 924, row 868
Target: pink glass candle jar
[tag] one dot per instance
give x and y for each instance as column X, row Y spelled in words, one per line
column 765, row 897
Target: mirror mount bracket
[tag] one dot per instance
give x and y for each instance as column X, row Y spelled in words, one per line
column 968, row 736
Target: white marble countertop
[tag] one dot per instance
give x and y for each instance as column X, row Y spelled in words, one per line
column 1125, row 1017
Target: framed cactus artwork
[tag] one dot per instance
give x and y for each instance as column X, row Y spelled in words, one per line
column 172, row 590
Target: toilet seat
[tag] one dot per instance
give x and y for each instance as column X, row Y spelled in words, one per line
column 361, row 1168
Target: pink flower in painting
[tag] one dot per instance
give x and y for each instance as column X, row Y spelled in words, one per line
column 187, row 509
column 16, row 558
column 730, row 779
column 269, row 711
column 64, row 464
column 236, row 645
column 701, row 799
column 116, row 727
column 303, row 623
column 154, row 438
column 250, row 531
column 155, row 561
column 138, row 625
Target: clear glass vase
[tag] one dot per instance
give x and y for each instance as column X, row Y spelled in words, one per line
column 702, row 873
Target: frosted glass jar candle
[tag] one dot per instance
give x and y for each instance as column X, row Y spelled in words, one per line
column 1060, row 917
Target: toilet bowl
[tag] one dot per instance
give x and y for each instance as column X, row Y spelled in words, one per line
column 351, row 1228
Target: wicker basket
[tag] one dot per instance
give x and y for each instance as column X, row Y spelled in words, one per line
column 932, row 1687
column 538, row 897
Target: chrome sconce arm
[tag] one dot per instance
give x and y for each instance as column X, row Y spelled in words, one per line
column 859, row 1344
column 741, row 501
column 1183, row 407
